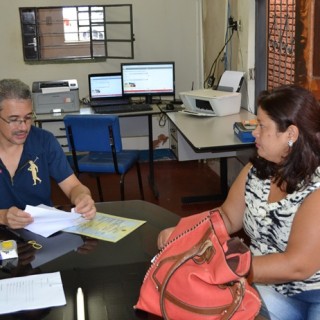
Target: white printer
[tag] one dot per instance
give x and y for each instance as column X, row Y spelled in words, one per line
column 221, row 102
column 55, row 96
column 211, row 102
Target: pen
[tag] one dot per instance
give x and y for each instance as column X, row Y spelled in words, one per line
column 80, row 305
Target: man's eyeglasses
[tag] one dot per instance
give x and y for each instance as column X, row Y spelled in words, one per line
column 15, row 122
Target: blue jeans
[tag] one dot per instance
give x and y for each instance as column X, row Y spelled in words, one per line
column 302, row 306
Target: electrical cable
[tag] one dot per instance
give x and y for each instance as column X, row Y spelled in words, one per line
column 211, row 74
column 162, row 119
column 231, row 23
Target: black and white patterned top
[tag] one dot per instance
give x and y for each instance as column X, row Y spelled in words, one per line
column 269, row 224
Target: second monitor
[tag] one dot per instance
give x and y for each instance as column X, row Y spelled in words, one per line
column 148, row 79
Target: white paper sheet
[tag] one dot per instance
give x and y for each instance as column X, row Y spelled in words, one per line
column 48, row 221
column 231, row 79
column 31, row 292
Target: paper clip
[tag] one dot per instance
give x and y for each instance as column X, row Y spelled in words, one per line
column 35, row 245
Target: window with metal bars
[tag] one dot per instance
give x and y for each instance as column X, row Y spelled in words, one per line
column 281, row 43
column 77, row 33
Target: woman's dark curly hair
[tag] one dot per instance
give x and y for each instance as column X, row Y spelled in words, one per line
column 292, row 105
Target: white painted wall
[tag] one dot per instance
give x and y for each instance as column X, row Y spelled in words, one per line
column 246, row 55
column 164, row 30
column 215, row 14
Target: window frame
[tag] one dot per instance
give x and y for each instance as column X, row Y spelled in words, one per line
column 111, row 46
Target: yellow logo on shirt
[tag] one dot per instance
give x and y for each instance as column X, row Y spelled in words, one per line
column 34, row 172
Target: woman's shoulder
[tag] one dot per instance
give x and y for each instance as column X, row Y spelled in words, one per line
column 245, row 173
column 248, row 170
column 248, row 167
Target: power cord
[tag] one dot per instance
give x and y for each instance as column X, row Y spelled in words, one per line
column 209, row 81
column 162, row 119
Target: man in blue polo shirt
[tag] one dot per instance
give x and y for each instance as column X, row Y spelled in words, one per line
column 29, row 158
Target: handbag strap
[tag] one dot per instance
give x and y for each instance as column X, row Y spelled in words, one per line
column 237, row 288
column 219, row 226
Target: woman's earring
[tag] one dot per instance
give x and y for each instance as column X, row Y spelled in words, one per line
column 290, row 143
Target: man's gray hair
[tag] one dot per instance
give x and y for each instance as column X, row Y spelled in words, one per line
column 14, row 89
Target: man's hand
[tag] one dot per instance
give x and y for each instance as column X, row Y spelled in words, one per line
column 85, row 206
column 79, row 195
column 16, row 218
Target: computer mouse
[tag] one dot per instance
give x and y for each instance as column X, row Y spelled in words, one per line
column 169, row 106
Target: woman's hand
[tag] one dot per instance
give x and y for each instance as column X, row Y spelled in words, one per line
column 163, row 237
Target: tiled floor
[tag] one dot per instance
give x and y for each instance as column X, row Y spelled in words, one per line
column 174, row 179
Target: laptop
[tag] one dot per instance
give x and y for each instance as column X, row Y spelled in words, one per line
column 105, row 89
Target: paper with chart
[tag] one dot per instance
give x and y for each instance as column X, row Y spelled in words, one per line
column 106, row 227
column 31, row 292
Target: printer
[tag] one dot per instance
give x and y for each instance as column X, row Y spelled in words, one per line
column 221, row 102
column 211, row 102
column 55, row 96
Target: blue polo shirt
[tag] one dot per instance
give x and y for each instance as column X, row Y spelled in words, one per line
column 42, row 158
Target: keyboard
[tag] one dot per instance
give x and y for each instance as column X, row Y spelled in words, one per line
column 100, row 103
column 122, row 108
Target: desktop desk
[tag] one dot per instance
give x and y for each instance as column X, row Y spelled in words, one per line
column 111, row 274
column 214, row 135
column 46, row 118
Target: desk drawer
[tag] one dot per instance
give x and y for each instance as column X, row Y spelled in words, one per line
column 56, row 127
column 182, row 149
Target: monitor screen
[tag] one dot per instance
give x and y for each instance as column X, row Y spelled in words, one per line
column 105, row 85
column 148, row 79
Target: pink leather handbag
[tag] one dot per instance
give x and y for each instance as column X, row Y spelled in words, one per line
column 200, row 274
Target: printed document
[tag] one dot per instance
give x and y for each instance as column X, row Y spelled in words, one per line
column 31, row 292
column 106, row 227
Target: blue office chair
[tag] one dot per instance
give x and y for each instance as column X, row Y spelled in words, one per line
column 96, row 146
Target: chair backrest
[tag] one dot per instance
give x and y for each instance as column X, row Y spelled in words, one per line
column 92, row 132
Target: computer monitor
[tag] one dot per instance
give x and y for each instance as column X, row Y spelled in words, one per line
column 104, row 85
column 148, row 79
